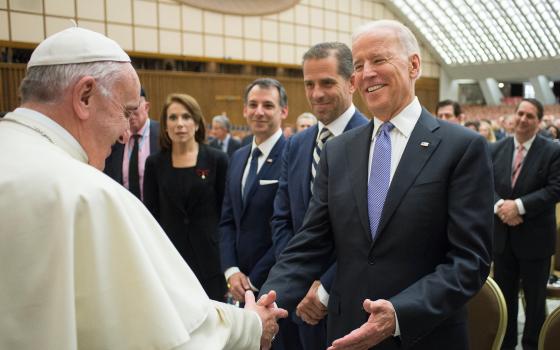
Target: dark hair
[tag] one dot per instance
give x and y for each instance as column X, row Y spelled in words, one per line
column 339, row 50
column 195, row 113
column 267, row 83
column 456, row 106
column 534, row 102
column 473, row 123
column 557, row 131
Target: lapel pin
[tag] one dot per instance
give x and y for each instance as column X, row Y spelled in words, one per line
column 424, row 144
column 269, row 160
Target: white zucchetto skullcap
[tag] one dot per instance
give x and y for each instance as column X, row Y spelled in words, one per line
column 76, row 45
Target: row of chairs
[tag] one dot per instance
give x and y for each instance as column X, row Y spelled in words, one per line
column 487, row 321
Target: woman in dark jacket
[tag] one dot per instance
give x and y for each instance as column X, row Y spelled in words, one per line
column 184, row 188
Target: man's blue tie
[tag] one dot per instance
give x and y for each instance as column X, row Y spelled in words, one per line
column 252, row 176
column 380, row 176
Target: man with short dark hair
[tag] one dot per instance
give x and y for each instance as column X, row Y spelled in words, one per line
column 450, row 110
column 527, row 188
column 126, row 162
column 221, row 128
column 329, row 87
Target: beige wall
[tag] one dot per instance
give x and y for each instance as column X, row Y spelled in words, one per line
column 165, row 27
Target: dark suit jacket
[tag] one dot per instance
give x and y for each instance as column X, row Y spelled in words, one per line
column 246, row 238
column 188, row 210
column 294, row 192
column 538, row 187
column 233, row 145
column 432, row 250
column 113, row 163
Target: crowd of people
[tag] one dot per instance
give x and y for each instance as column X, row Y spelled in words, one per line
column 338, row 233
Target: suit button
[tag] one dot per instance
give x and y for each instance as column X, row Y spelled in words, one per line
column 371, row 261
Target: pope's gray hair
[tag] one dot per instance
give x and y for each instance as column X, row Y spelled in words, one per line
column 46, row 84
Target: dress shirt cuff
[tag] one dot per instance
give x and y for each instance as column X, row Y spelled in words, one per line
column 323, row 295
column 231, row 271
column 497, row 205
column 253, row 288
column 397, row 328
column 520, row 206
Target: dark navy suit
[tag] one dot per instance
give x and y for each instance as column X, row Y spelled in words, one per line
column 114, row 163
column 245, row 231
column 290, row 205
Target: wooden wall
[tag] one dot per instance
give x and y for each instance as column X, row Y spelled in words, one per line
column 216, row 93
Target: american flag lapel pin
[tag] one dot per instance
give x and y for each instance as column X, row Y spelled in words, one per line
column 424, row 144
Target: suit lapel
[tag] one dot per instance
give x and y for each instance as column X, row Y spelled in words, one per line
column 413, row 160
column 507, row 161
column 237, row 176
column 358, row 167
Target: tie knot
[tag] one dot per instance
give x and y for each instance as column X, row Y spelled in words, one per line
column 386, row 127
column 256, row 153
column 520, row 148
column 325, row 134
column 136, row 136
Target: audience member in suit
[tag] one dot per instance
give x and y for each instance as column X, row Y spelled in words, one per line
column 117, row 165
column 412, row 240
column 184, row 189
column 246, row 239
column 451, row 111
column 304, row 121
column 527, row 188
column 223, row 140
column 328, row 81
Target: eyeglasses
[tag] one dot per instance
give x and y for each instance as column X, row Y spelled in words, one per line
column 125, row 111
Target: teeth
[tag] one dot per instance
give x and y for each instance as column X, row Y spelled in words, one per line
column 374, row 88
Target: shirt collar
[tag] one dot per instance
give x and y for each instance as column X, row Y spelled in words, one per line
column 337, row 126
column 267, row 145
column 405, row 121
column 60, row 136
column 527, row 144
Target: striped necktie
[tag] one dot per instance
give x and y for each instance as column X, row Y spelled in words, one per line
column 324, row 136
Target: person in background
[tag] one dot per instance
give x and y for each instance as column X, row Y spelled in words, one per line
column 472, row 124
column 485, row 129
column 184, row 189
column 221, row 130
column 89, row 267
column 450, row 110
column 126, row 162
column 288, row 130
column 554, row 132
column 304, row 121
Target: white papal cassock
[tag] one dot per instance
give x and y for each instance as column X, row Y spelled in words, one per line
column 83, row 265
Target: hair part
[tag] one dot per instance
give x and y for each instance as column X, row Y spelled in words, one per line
column 223, row 121
column 538, row 105
column 267, row 83
column 192, row 107
column 340, row 51
column 457, row 111
column 46, row 84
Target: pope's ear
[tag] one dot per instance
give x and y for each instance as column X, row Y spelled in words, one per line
column 82, row 96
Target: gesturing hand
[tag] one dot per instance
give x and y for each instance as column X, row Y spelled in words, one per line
column 269, row 314
column 380, row 325
column 310, row 309
column 237, row 285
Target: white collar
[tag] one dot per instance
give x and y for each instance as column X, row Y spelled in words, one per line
column 405, row 121
column 266, row 146
column 527, row 144
column 53, row 131
column 337, row 126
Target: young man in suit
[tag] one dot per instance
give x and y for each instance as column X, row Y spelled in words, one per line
column 222, row 137
column 405, row 203
column 246, row 247
column 143, row 141
column 329, row 87
column 527, row 188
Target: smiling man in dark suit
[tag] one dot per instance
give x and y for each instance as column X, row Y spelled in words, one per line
column 144, row 140
column 405, row 203
column 246, row 247
column 527, row 180
column 329, row 87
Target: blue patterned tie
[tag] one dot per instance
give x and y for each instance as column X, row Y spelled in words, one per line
column 380, row 176
column 252, row 176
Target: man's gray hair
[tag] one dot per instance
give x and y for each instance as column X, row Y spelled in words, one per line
column 46, row 84
column 405, row 36
column 223, row 121
column 340, row 51
column 307, row 115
